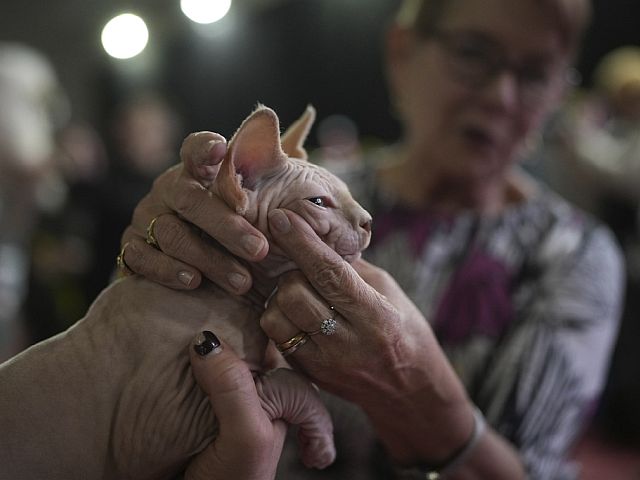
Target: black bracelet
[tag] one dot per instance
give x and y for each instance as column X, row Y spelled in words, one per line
column 425, row 472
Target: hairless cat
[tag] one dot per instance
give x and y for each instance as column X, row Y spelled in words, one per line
column 130, row 406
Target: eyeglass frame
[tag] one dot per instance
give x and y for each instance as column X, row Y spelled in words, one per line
column 493, row 61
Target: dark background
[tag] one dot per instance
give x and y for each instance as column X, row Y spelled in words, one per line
column 284, row 53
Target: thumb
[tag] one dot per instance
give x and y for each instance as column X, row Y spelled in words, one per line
column 331, row 276
column 243, row 447
column 225, row 378
column 201, row 154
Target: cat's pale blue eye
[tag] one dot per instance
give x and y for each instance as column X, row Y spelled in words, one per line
column 319, row 201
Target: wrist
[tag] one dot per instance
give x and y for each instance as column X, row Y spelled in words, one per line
column 421, row 414
column 431, row 471
column 423, row 433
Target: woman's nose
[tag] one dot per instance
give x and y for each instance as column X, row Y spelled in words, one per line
column 502, row 90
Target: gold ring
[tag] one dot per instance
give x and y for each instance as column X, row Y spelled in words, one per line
column 295, row 346
column 151, row 238
column 123, row 268
column 291, row 342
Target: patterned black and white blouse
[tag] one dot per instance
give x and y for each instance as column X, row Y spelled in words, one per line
column 526, row 306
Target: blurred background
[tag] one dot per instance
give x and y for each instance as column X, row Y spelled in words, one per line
column 107, row 126
column 284, row 53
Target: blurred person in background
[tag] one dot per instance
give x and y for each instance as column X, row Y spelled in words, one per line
column 518, row 293
column 63, row 250
column 593, row 158
column 32, row 107
column 593, row 152
column 142, row 135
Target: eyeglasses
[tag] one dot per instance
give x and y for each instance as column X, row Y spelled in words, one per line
column 475, row 60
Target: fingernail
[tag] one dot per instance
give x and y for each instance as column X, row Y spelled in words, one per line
column 279, row 221
column 237, row 280
column 211, row 144
column 205, row 343
column 185, row 277
column 252, row 244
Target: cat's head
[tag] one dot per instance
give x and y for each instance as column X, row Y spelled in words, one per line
column 263, row 171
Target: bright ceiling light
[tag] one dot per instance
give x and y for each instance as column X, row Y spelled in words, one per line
column 125, row 36
column 205, row 11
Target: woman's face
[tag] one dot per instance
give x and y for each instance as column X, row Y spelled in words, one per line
column 472, row 94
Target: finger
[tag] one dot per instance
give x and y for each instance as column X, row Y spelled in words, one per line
column 229, row 385
column 333, row 278
column 209, row 213
column 145, row 260
column 276, row 325
column 227, row 381
column 201, row 154
column 286, row 334
column 188, row 246
column 304, row 305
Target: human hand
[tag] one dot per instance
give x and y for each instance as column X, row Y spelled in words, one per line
column 251, row 416
column 378, row 327
column 179, row 200
column 383, row 355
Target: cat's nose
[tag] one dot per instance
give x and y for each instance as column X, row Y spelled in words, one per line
column 364, row 220
column 365, row 224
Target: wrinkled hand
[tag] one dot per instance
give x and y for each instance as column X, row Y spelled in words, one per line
column 178, row 200
column 380, row 333
column 383, row 355
column 251, row 418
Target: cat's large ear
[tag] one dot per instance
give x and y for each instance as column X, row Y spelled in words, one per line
column 293, row 139
column 254, row 152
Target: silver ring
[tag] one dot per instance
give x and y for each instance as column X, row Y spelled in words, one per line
column 328, row 325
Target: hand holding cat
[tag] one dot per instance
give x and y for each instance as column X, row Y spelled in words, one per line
column 177, row 200
column 255, row 415
column 383, row 355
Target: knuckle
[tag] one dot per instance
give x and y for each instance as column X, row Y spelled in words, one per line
column 188, row 201
column 292, row 288
column 127, row 235
column 135, row 256
column 268, row 321
column 174, row 236
column 184, row 201
column 335, row 279
column 293, row 294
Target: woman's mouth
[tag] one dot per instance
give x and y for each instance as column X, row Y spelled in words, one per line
column 479, row 137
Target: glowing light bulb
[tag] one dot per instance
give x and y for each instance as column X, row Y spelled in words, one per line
column 125, row 36
column 205, row 11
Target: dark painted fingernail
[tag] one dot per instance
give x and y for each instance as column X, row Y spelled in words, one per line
column 279, row 221
column 205, row 343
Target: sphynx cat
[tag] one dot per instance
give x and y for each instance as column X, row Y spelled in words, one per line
column 128, row 406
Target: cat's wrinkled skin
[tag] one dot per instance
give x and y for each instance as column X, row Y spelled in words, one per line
column 258, row 176
column 130, row 406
